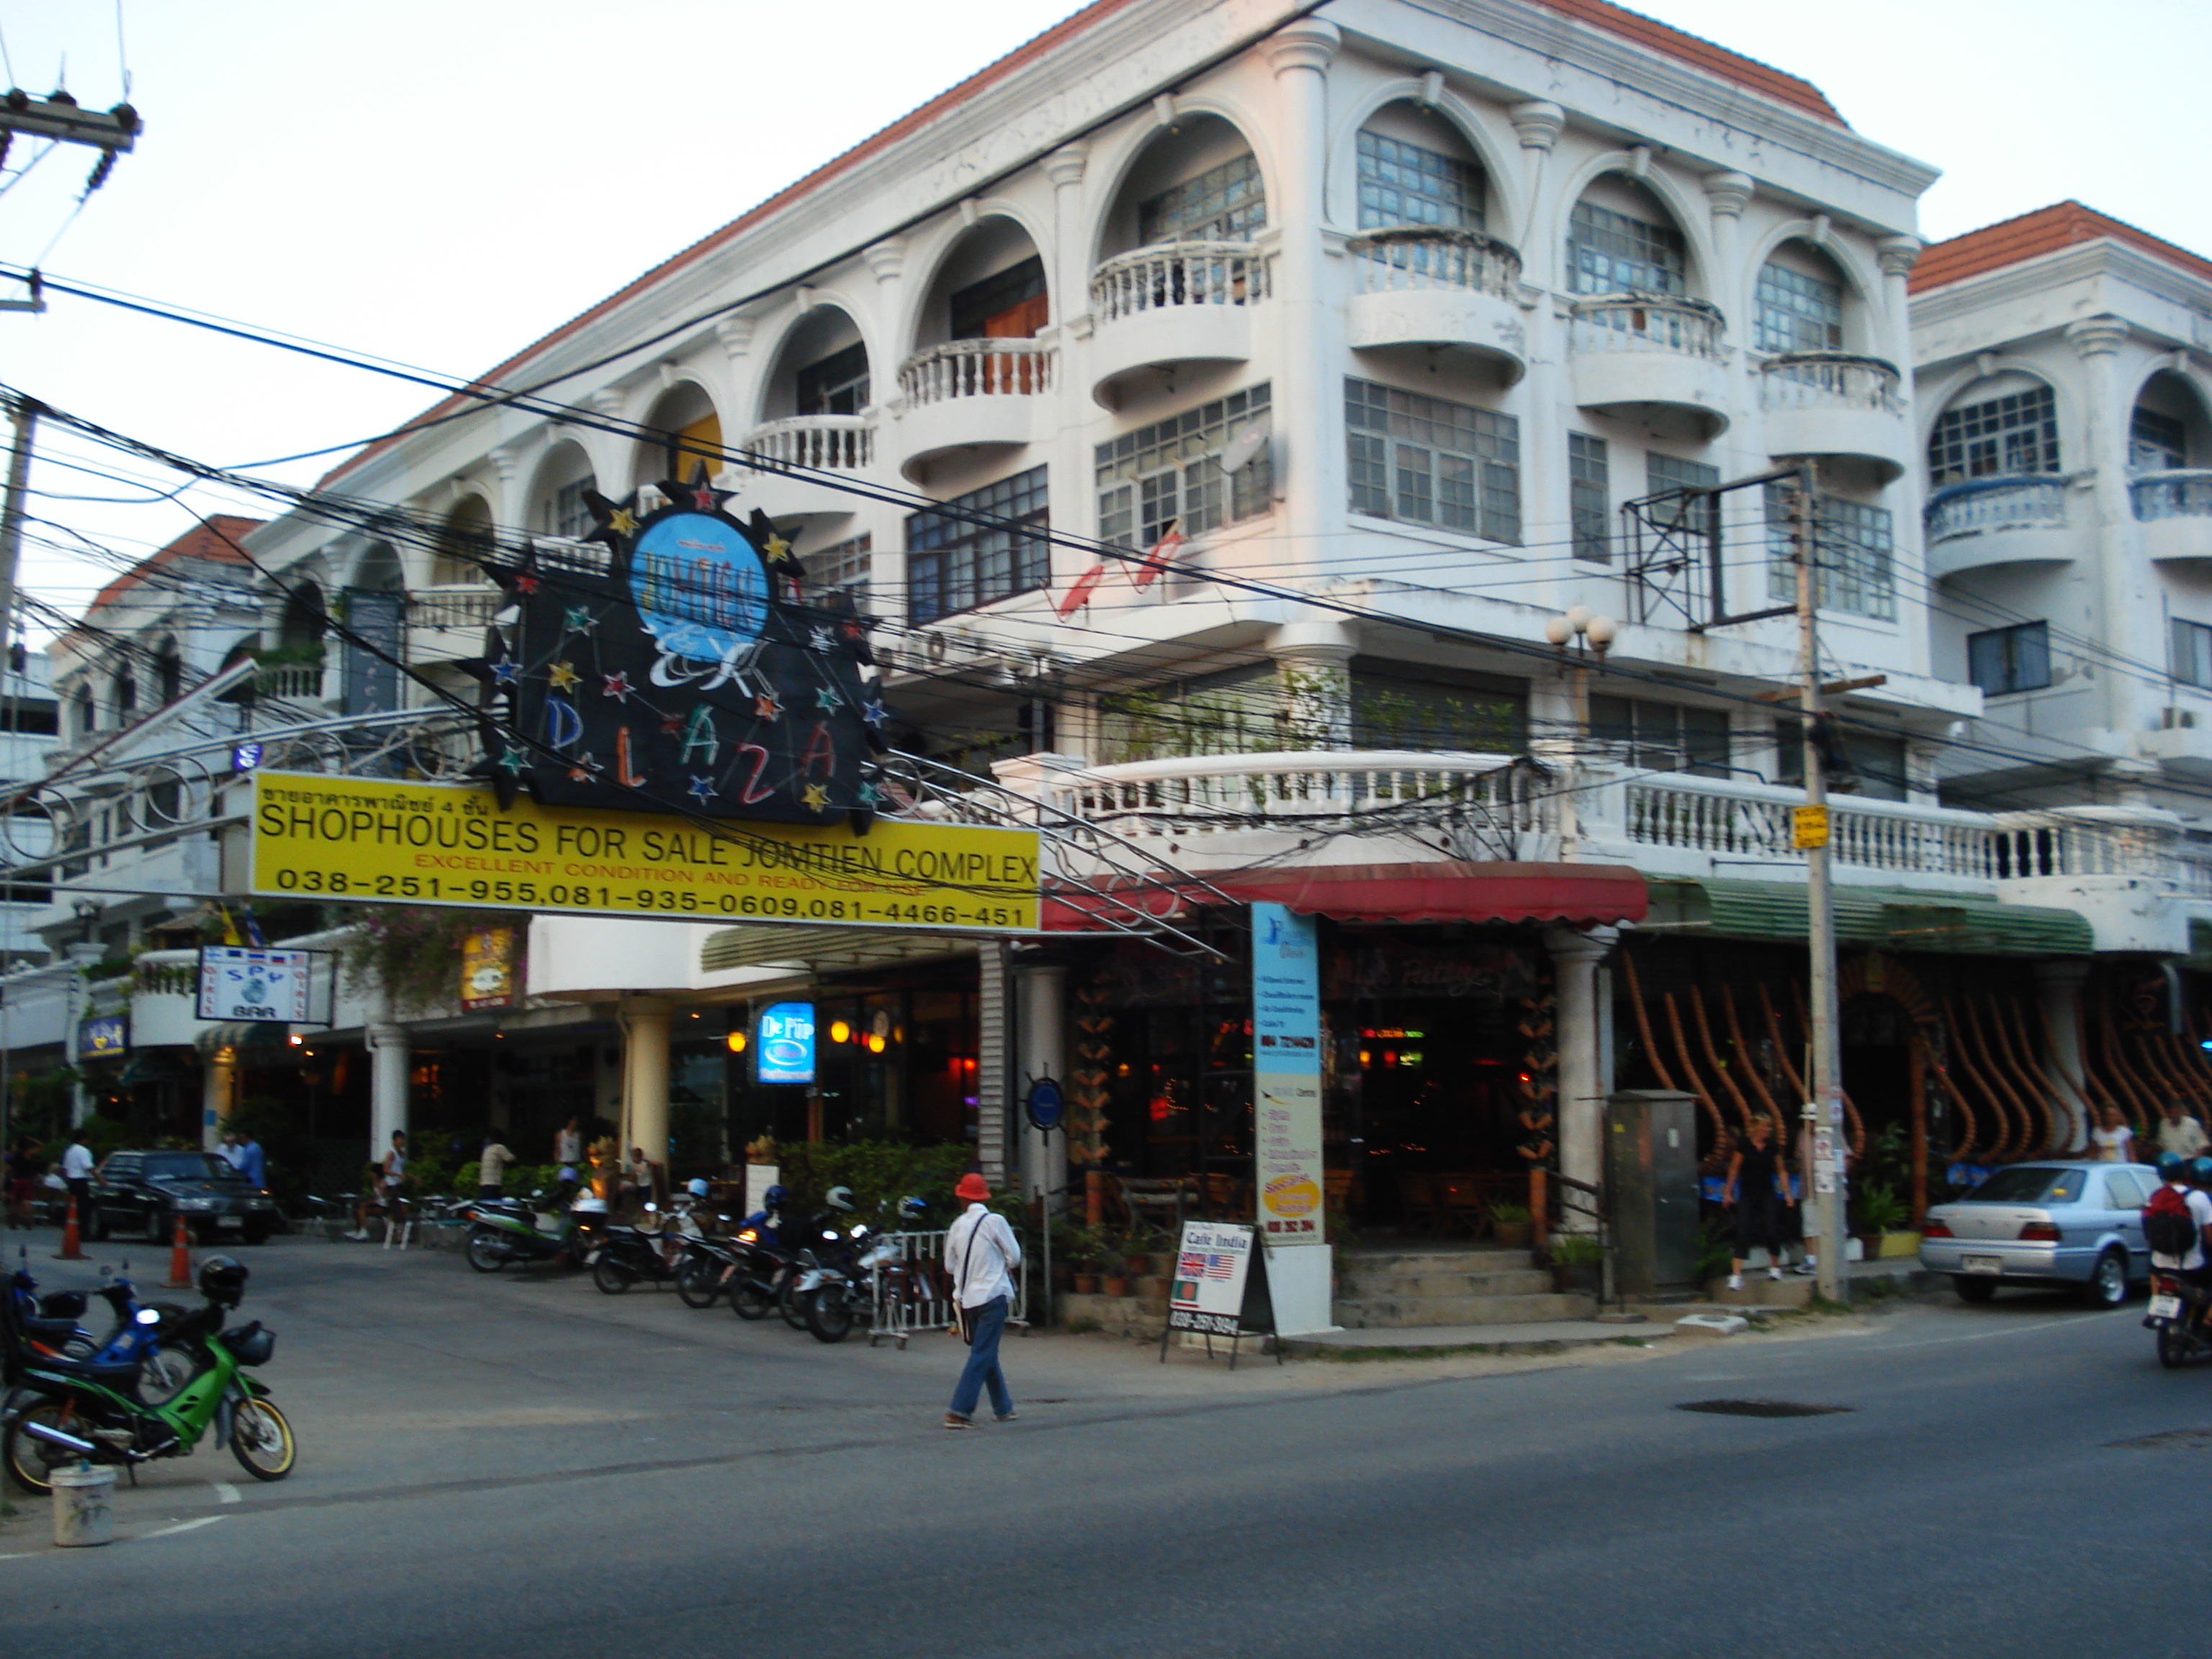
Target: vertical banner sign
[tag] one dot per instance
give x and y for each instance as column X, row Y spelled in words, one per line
column 487, row 968
column 1286, row 1075
column 378, row 621
column 787, row 1043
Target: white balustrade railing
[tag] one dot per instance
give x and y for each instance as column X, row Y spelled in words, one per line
column 1981, row 505
column 1178, row 274
column 976, row 369
column 288, row 680
column 1828, row 379
column 2183, row 494
column 1435, row 256
column 831, row 443
column 1647, row 322
column 470, row 607
column 1203, row 794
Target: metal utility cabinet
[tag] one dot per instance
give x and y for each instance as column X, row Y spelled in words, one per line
column 1651, row 1179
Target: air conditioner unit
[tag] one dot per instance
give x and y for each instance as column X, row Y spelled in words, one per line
column 2177, row 719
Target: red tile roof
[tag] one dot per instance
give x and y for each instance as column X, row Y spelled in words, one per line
column 2047, row 230
column 210, row 538
column 1644, row 31
column 1715, row 60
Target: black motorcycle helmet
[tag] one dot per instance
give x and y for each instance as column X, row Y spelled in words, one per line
column 223, row 1281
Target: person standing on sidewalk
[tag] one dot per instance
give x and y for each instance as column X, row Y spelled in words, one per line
column 980, row 1257
column 2180, row 1133
column 1754, row 1187
column 491, row 1170
column 76, row 1170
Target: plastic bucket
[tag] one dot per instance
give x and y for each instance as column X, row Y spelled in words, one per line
column 84, row 1505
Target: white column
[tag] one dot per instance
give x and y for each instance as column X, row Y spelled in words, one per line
column 2131, row 615
column 1067, row 264
column 1041, row 1050
column 1575, row 958
column 1309, row 465
column 1314, row 659
column 390, row 1055
column 645, row 1077
column 218, row 1097
column 2058, row 986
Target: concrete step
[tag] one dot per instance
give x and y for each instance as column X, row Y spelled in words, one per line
column 1760, row 1291
column 1536, row 1334
column 1431, row 1261
column 1398, row 1313
column 1364, row 1283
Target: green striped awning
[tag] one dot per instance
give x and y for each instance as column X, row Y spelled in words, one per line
column 1897, row 917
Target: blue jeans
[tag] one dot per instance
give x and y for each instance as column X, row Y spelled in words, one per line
column 983, row 1363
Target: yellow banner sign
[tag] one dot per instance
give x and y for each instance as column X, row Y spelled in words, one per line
column 1809, row 826
column 370, row 840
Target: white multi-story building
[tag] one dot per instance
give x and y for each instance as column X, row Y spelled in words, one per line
column 1374, row 318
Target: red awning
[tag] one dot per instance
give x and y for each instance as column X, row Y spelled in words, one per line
column 1579, row 895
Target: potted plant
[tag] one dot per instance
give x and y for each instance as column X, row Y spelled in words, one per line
column 1882, row 1215
column 1136, row 1250
column 1577, row 1262
column 1084, row 1249
column 1510, row 1221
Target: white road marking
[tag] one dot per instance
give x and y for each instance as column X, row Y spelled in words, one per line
column 184, row 1526
column 224, row 1492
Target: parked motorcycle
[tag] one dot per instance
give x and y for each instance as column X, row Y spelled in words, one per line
column 853, row 1274
column 65, row 1410
column 2178, row 1316
column 651, row 1250
column 498, row 1235
column 154, row 1338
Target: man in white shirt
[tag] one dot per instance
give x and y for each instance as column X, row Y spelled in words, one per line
column 2189, row 1266
column 76, row 1169
column 981, row 1255
column 2180, row 1133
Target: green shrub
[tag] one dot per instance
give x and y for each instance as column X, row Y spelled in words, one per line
column 1575, row 1249
column 880, row 1173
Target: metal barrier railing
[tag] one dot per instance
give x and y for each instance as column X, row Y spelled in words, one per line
column 914, row 1293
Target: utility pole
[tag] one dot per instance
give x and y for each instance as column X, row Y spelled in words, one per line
column 1823, row 1113
column 60, row 118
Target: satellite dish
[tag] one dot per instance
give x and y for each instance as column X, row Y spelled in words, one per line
column 1246, row 445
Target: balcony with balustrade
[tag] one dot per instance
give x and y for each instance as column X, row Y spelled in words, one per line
column 1654, row 358
column 2173, row 510
column 2132, row 873
column 1157, row 307
column 1837, row 407
column 1428, row 288
column 791, row 466
column 971, row 395
column 2019, row 519
column 447, row 623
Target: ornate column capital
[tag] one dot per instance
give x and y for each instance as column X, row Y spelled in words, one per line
column 2097, row 337
column 1728, row 193
column 386, row 1034
column 735, row 335
column 1899, row 254
column 887, row 258
column 1064, row 167
column 1539, row 123
column 1308, row 44
column 1572, row 944
column 507, row 461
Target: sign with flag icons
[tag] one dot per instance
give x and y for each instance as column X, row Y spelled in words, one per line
column 1214, row 1291
column 238, row 984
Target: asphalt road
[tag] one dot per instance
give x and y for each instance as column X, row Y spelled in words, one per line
column 520, row 1465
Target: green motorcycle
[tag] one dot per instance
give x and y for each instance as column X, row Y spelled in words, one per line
column 62, row 1412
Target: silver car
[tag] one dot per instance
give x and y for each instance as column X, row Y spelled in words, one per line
column 2054, row 1222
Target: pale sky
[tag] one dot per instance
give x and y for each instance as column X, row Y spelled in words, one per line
column 437, row 182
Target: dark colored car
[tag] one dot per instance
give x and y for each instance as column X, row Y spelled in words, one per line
column 141, row 1194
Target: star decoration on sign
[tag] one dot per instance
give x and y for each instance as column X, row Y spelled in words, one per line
column 826, row 699
column 702, row 788
column 617, row 686
column 872, row 711
column 868, row 795
column 672, row 726
column 585, row 768
column 765, row 706
column 578, row 620
column 562, row 675
column 822, row 639
column 622, row 522
column 512, row 761
column 525, row 584
column 504, row 671
column 777, row 550
column 816, row 797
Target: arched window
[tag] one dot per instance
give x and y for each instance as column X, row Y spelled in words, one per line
column 2011, row 427
column 684, row 434
column 1413, row 169
column 168, row 671
column 126, row 696
column 1196, row 183
column 1799, row 301
column 823, row 369
column 1621, row 240
column 562, row 483
column 2166, row 427
column 304, row 620
column 87, row 717
column 464, row 543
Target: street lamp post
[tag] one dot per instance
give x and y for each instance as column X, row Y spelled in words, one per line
column 1589, row 635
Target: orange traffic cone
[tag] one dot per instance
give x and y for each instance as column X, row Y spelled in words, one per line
column 69, row 1251
column 180, row 1260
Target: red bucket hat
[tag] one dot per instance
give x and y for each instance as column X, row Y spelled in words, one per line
column 973, row 1188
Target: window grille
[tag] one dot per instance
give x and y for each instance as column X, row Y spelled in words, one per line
column 1401, row 184
column 2001, row 661
column 953, row 564
column 1609, row 253
column 835, row 384
column 2018, row 432
column 1853, row 557
column 1797, row 312
column 838, row 576
column 2156, row 442
column 1664, row 737
column 1422, row 460
column 1227, row 204
column 1171, row 472
column 1590, row 497
column 2192, row 653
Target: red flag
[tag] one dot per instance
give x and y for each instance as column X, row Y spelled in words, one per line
column 1079, row 594
column 1147, row 571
